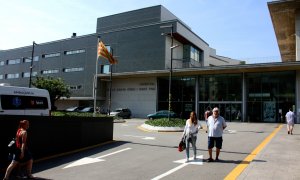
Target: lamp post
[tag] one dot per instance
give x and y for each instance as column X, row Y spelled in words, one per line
column 31, row 62
column 171, row 66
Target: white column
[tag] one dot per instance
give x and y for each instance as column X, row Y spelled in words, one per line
column 298, row 96
column 297, row 35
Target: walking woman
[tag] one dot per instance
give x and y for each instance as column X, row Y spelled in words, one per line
column 190, row 132
column 22, row 154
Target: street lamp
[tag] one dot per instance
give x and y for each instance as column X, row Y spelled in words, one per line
column 171, row 64
column 31, row 62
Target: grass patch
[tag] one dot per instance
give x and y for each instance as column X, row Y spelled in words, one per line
column 165, row 122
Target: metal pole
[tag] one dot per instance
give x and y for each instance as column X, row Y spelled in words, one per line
column 95, row 79
column 171, row 70
column 31, row 63
column 109, row 101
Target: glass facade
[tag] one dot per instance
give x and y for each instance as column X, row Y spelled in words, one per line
column 267, row 98
column 223, row 91
column 183, row 95
column 269, row 95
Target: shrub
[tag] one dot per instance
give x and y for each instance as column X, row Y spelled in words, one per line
column 165, row 122
column 86, row 114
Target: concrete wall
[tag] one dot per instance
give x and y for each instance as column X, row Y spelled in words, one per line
column 54, row 135
column 137, row 94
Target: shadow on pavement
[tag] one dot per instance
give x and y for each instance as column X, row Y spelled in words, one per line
column 63, row 159
column 35, row 178
column 176, row 147
column 57, row 161
column 236, row 161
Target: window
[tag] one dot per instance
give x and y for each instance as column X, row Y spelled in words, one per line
column 28, row 59
column 73, row 69
column 223, row 87
column 50, row 55
column 194, row 54
column 75, row 87
column 13, row 61
column 1, row 76
column 105, row 69
column 23, row 102
column 74, row 52
column 27, row 74
column 53, row 71
column 12, row 76
column 2, row 63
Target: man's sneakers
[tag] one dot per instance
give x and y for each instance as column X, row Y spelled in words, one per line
column 212, row 160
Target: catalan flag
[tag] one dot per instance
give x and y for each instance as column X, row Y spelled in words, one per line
column 102, row 51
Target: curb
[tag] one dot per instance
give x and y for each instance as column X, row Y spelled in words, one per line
column 119, row 121
column 161, row 129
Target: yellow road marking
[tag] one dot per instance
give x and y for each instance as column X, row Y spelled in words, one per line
column 143, row 129
column 242, row 166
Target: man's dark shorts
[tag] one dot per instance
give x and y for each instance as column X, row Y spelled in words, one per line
column 215, row 142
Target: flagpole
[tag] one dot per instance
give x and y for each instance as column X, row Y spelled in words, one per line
column 109, row 105
column 110, row 66
column 95, row 79
column 102, row 51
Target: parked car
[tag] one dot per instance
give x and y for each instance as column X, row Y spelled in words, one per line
column 87, row 109
column 74, row 109
column 121, row 112
column 162, row 114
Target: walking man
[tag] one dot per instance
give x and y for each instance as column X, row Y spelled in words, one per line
column 216, row 124
column 290, row 121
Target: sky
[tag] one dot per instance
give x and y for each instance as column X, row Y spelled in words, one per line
column 239, row 29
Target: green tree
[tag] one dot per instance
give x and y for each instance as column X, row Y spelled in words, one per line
column 56, row 87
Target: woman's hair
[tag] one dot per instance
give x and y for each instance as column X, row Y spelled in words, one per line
column 23, row 123
column 193, row 117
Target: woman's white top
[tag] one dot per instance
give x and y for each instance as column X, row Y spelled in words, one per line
column 191, row 129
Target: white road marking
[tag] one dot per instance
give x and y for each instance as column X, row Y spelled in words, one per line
column 142, row 137
column 88, row 160
column 170, row 172
column 231, row 131
column 198, row 161
column 84, row 161
column 113, row 153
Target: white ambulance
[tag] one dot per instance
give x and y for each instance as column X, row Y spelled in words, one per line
column 24, row 101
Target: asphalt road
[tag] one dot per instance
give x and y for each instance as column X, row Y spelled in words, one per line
column 138, row 154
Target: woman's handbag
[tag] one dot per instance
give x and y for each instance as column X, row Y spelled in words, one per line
column 181, row 145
